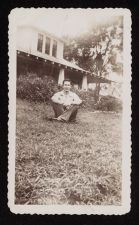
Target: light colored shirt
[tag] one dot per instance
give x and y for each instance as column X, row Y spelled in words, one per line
column 66, row 98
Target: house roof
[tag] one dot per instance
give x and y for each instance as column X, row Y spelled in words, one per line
column 53, row 59
column 65, row 63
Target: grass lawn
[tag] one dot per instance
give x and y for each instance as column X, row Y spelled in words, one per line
column 58, row 163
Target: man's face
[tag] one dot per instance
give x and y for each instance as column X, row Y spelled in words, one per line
column 67, row 86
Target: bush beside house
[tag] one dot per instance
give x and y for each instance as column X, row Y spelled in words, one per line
column 41, row 89
column 109, row 103
column 34, row 88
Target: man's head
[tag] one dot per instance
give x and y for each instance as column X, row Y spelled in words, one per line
column 66, row 85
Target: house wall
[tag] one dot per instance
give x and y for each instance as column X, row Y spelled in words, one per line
column 24, row 39
column 60, row 49
column 27, row 40
column 113, row 89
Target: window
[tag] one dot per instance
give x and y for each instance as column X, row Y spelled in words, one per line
column 54, row 51
column 47, row 45
column 40, row 42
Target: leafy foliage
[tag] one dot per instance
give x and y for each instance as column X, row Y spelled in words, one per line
column 109, row 103
column 41, row 89
column 34, row 88
column 97, row 49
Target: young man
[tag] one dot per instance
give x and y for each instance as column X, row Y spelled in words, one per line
column 65, row 103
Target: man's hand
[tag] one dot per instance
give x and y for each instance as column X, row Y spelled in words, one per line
column 68, row 107
column 66, row 104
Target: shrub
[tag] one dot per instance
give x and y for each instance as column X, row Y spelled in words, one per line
column 109, row 103
column 34, row 88
column 87, row 97
column 41, row 89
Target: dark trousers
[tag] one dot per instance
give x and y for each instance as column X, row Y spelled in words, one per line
column 63, row 113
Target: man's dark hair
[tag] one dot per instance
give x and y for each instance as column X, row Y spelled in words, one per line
column 66, row 80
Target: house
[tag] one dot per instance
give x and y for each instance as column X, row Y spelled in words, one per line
column 42, row 52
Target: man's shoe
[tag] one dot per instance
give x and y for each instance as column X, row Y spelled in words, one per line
column 48, row 118
column 73, row 121
column 56, row 119
column 59, row 119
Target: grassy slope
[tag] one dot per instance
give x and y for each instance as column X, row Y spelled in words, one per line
column 60, row 163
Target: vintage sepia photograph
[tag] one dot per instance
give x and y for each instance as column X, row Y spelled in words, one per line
column 69, row 111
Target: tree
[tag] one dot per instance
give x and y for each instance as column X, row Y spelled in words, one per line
column 98, row 49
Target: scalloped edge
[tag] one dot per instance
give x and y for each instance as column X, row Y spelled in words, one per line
column 126, row 154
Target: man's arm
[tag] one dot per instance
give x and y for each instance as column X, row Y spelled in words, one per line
column 56, row 98
column 76, row 100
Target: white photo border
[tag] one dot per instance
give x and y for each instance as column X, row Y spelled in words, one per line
column 126, row 153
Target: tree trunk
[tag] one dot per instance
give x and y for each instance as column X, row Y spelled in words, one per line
column 97, row 92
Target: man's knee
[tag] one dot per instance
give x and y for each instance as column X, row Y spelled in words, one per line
column 75, row 107
column 58, row 108
column 55, row 104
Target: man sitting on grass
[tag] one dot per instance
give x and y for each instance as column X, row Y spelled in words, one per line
column 65, row 103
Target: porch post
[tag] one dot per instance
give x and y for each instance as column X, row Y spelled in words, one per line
column 84, row 83
column 61, row 76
